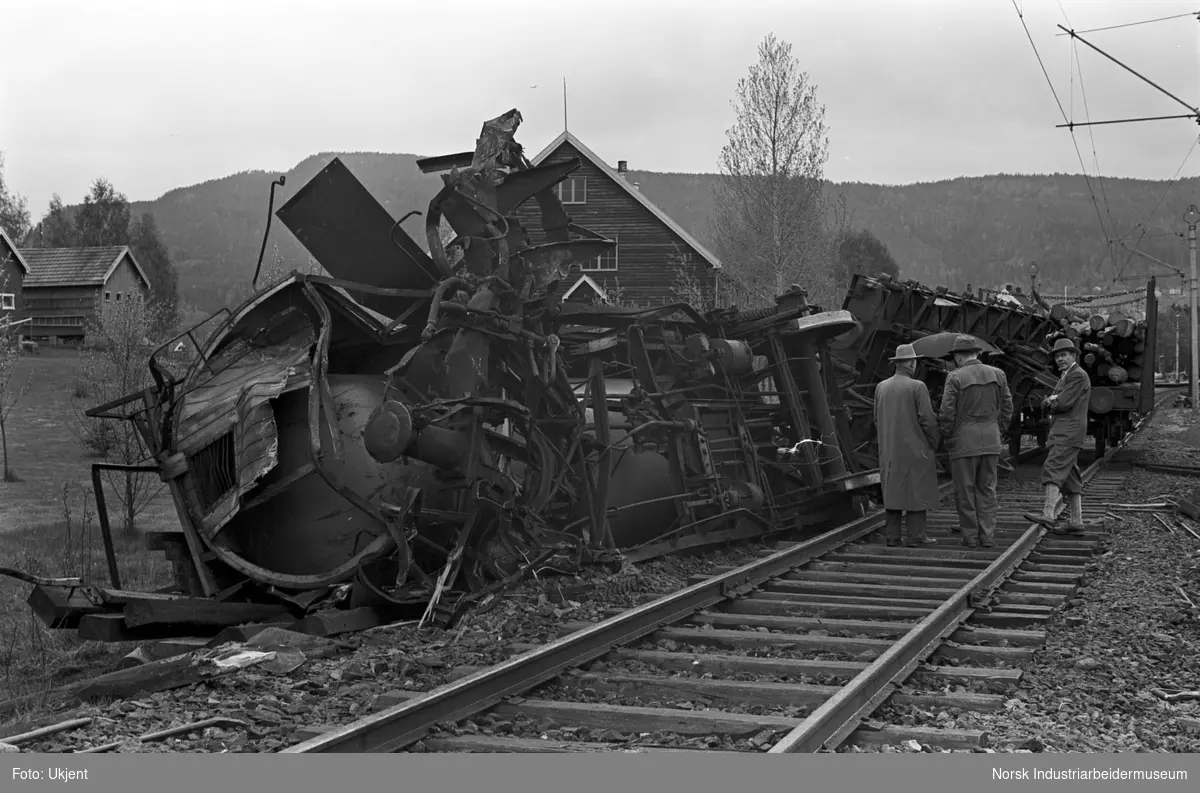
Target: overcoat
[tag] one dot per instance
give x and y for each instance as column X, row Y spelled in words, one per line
column 908, row 436
column 1068, row 427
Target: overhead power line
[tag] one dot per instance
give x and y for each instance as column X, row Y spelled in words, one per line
column 1143, row 22
column 1078, row 153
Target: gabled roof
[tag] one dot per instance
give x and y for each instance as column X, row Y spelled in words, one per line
column 16, row 253
column 567, row 137
column 590, row 282
column 76, row 266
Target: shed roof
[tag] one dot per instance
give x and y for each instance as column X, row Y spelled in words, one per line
column 567, row 137
column 76, row 266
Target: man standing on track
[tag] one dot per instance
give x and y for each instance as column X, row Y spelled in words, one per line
column 976, row 409
column 1068, row 405
column 908, row 438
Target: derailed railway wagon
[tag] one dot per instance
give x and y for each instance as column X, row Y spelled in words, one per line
column 407, row 435
column 891, row 313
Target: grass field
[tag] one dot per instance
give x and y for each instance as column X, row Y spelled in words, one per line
column 48, row 527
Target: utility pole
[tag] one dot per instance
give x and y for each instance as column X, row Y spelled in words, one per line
column 1191, row 217
column 1177, row 310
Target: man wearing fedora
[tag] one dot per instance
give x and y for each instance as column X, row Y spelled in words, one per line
column 976, row 409
column 908, row 438
column 1068, row 406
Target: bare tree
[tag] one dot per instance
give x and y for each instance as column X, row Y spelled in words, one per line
column 10, row 391
column 771, row 212
column 113, row 366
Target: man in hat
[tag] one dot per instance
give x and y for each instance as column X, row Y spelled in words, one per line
column 976, row 409
column 1068, row 406
column 908, row 438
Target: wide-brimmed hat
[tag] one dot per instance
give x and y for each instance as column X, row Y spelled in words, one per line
column 905, row 352
column 965, row 343
column 1064, row 345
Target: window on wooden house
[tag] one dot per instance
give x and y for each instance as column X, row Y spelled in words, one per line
column 118, row 297
column 572, row 190
column 605, row 262
column 59, row 322
column 8, row 301
column 108, row 295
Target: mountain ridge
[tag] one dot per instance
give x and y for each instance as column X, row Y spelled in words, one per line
column 969, row 230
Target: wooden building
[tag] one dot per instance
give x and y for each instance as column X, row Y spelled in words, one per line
column 655, row 260
column 65, row 288
column 13, row 269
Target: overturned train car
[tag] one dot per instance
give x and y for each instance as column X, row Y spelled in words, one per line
column 420, row 430
column 890, row 313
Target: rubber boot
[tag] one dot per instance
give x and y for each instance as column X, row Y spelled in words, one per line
column 1075, row 522
column 1047, row 517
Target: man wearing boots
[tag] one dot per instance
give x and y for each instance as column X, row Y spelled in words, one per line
column 976, row 408
column 908, row 436
column 1068, row 406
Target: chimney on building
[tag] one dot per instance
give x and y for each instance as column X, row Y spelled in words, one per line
column 637, row 187
column 622, row 167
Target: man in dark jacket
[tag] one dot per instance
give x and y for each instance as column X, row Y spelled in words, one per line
column 908, row 438
column 976, row 409
column 1068, row 405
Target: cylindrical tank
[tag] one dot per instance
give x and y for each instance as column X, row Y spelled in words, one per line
column 637, row 476
column 309, row 528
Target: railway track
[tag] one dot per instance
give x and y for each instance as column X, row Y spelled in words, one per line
column 791, row 653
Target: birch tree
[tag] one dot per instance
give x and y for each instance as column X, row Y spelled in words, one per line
column 770, row 219
column 14, row 209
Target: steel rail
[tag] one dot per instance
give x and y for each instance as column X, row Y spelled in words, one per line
column 394, row 728
column 836, row 718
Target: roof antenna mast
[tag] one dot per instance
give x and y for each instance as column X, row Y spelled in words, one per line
column 564, row 104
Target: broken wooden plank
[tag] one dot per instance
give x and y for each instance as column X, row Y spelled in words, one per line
column 42, row 732
column 112, row 628
column 335, row 621
column 60, row 607
column 170, row 673
column 198, row 611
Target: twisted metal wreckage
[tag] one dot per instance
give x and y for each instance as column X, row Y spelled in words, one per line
column 323, row 448
column 335, row 460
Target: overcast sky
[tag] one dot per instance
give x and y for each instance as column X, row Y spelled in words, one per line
column 162, row 94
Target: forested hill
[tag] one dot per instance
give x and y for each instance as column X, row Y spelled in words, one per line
column 982, row 231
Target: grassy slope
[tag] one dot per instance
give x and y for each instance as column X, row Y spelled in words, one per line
column 48, row 527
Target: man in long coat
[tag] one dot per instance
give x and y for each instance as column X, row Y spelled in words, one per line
column 976, row 409
column 1068, row 406
column 908, row 438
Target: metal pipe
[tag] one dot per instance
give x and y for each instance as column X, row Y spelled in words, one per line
column 810, row 372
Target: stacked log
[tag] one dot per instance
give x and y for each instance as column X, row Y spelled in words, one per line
column 1111, row 345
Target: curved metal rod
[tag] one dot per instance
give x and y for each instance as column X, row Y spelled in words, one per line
column 281, row 181
column 436, row 306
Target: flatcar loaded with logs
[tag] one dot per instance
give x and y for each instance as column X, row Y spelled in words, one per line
column 1117, row 349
